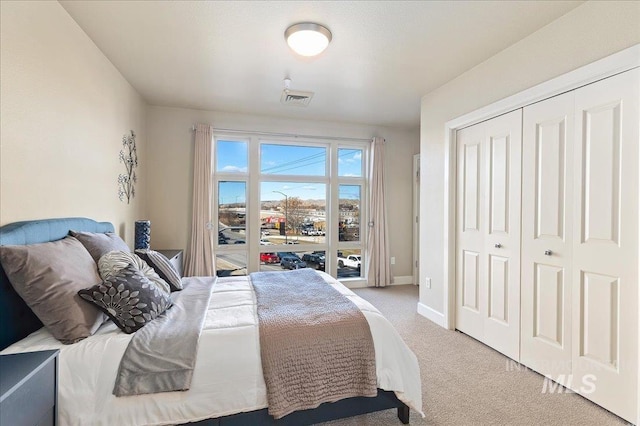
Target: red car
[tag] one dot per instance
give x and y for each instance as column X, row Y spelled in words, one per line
column 269, row 258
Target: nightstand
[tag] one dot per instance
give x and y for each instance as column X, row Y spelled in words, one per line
column 29, row 388
column 175, row 257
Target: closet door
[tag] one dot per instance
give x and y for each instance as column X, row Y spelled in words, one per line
column 470, row 232
column 547, row 182
column 605, row 243
column 488, row 232
column 503, row 138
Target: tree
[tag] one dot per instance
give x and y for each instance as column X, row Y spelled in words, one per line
column 296, row 213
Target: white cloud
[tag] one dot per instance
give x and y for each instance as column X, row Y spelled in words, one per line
column 234, row 169
column 357, row 157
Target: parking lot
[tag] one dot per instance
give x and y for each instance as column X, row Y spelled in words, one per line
column 234, row 263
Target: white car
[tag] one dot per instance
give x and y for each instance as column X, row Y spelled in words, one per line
column 265, row 242
column 351, row 261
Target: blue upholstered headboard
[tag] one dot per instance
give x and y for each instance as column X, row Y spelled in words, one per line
column 16, row 318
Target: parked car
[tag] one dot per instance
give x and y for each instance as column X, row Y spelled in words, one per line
column 269, row 258
column 222, row 239
column 351, row 261
column 291, row 262
column 314, row 260
column 282, row 254
column 265, row 242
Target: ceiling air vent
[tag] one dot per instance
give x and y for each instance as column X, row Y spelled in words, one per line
column 296, row 97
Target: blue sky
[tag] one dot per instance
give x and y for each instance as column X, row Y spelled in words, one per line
column 283, row 160
column 231, row 156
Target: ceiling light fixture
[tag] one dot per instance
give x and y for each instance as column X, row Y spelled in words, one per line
column 307, row 38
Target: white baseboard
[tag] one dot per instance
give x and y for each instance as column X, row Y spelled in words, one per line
column 402, row 280
column 360, row 283
column 431, row 314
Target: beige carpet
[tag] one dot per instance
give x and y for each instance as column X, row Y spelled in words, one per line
column 467, row 383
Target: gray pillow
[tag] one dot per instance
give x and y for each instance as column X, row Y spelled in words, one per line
column 128, row 298
column 114, row 261
column 48, row 276
column 99, row 244
column 163, row 267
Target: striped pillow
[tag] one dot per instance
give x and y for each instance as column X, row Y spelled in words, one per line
column 161, row 264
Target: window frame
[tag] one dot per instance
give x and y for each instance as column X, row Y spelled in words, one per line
column 254, row 177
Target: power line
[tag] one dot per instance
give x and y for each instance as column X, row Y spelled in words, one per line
column 310, row 157
column 304, row 162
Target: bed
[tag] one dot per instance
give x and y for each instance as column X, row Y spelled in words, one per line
column 232, row 395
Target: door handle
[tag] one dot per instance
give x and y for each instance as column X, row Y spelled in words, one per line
column 497, row 245
column 548, row 252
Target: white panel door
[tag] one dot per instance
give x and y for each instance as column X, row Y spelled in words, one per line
column 502, row 201
column 488, row 232
column 605, row 243
column 470, row 253
column 547, row 182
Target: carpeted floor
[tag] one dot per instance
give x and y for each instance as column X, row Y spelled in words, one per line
column 467, row 383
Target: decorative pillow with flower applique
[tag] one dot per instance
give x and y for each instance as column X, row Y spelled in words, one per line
column 129, row 298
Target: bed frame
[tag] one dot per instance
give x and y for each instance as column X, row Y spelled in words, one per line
column 17, row 321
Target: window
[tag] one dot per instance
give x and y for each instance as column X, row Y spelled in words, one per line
column 276, row 159
column 231, row 180
column 308, row 198
column 349, row 162
column 232, row 212
column 350, row 208
column 297, row 211
column 349, row 213
column 231, row 156
column 349, row 263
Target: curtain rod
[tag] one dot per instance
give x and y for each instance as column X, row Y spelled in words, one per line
column 284, row 135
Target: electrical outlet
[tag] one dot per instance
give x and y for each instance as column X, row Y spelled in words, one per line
column 393, row 260
column 428, row 282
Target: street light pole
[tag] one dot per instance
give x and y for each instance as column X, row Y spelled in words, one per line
column 286, row 219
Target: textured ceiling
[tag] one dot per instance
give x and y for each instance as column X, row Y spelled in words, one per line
column 231, row 55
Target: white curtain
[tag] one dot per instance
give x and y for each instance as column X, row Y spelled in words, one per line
column 200, row 257
column 377, row 258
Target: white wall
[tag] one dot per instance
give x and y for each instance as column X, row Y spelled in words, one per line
column 64, row 110
column 587, row 33
column 171, row 168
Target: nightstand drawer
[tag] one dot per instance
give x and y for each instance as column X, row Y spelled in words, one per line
column 175, row 257
column 28, row 388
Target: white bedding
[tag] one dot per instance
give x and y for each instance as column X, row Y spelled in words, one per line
column 228, row 374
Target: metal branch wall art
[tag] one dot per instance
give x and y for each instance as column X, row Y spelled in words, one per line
column 129, row 157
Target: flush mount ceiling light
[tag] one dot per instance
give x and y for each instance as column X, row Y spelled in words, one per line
column 307, row 38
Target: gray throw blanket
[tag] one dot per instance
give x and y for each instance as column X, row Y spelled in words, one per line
column 161, row 355
column 315, row 344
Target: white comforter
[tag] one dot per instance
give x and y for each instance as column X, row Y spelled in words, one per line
column 228, row 374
